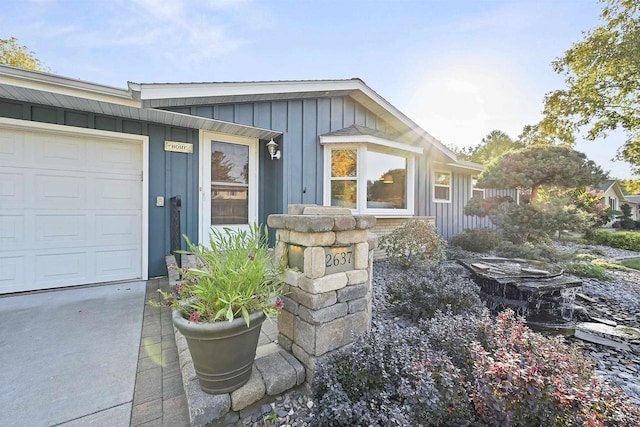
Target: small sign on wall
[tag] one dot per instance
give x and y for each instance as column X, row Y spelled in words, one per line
column 178, row 147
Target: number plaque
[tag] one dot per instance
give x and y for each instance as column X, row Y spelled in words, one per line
column 337, row 258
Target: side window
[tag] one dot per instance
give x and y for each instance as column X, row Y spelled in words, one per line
column 442, row 187
column 476, row 192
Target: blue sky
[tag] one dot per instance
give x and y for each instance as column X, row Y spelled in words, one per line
column 458, row 68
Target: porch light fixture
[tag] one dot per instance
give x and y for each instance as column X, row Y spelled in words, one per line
column 271, row 147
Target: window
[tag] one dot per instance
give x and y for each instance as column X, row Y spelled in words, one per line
column 612, row 203
column 476, row 192
column 371, row 179
column 344, row 181
column 442, row 187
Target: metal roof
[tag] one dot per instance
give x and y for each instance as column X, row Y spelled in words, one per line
column 47, row 89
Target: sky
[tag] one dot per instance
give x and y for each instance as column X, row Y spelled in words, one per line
column 458, row 68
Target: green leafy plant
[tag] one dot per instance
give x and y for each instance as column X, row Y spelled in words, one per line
column 629, row 240
column 525, row 251
column 478, row 240
column 415, row 243
column 234, row 277
column 587, row 269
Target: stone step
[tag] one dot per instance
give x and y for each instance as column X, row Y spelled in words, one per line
column 275, row 371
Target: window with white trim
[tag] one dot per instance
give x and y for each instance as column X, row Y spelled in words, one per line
column 442, row 186
column 478, row 193
column 372, row 179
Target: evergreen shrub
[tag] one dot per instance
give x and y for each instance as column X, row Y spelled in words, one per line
column 477, row 240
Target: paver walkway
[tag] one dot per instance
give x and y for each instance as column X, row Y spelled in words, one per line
column 159, row 398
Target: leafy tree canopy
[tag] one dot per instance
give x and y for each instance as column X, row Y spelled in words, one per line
column 539, row 166
column 492, row 146
column 12, row 53
column 630, row 186
column 602, row 76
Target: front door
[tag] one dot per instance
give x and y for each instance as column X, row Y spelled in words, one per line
column 229, row 182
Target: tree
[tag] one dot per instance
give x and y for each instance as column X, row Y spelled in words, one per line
column 12, row 53
column 539, row 166
column 630, row 186
column 492, row 146
column 602, row 76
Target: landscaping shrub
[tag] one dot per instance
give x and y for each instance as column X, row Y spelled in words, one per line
column 390, row 378
column 624, row 239
column 478, row 240
column 526, row 251
column 415, row 243
column 455, row 335
column 587, row 269
column 421, row 293
column 522, row 378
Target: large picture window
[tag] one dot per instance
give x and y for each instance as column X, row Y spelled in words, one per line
column 442, row 187
column 370, row 179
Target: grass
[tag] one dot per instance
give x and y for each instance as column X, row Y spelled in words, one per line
column 631, row 263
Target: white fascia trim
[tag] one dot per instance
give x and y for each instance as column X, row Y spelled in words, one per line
column 369, row 139
column 37, row 80
column 103, row 134
column 471, row 167
column 198, row 90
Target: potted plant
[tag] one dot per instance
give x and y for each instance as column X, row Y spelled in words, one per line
column 220, row 305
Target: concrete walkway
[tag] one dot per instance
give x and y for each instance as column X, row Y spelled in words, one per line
column 69, row 357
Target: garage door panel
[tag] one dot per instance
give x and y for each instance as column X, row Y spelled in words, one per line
column 116, row 158
column 115, row 194
column 123, row 227
column 12, row 190
column 117, row 264
column 60, row 229
column 12, row 269
column 12, row 149
column 69, row 267
column 61, row 153
column 62, row 192
column 12, row 229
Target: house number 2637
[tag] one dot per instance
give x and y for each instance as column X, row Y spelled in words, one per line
column 339, row 258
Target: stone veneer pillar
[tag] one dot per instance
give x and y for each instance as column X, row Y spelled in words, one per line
column 328, row 254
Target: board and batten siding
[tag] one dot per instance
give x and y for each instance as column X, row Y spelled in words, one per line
column 170, row 174
column 298, row 176
column 449, row 216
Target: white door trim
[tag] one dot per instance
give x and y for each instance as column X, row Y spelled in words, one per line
column 204, row 201
column 25, row 125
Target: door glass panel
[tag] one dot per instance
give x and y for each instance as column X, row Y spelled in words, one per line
column 229, row 183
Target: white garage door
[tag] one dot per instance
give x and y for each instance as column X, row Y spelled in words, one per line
column 70, row 208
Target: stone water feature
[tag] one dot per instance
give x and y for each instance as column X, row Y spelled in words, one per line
column 542, row 294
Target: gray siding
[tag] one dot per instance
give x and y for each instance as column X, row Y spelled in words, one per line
column 450, row 217
column 297, row 177
column 170, row 174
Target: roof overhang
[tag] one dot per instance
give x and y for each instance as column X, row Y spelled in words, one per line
column 165, row 95
column 369, row 139
column 46, row 89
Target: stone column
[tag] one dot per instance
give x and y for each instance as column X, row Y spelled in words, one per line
column 328, row 255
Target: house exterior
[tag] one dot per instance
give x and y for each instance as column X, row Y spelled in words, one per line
column 613, row 197
column 87, row 170
column 634, row 202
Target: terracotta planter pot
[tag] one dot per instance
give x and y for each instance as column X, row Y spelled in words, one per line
column 222, row 352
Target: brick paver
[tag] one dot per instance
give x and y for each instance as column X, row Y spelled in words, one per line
column 159, row 398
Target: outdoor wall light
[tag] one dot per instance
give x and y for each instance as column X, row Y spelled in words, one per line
column 271, row 146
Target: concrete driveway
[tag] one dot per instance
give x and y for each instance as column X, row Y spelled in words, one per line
column 69, row 357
